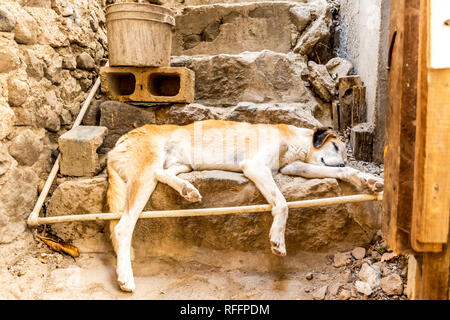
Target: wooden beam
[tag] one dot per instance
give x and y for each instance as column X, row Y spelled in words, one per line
column 400, row 124
column 430, row 217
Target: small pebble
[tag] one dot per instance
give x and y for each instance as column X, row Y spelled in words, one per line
column 359, row 253
column 309, row 276
column 344, row 295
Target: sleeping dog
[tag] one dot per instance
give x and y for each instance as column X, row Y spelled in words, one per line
column 155, row 153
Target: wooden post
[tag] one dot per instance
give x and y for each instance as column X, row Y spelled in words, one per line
column 400, row 120
column 431, row 209
column 359, row 108
column 417, row 180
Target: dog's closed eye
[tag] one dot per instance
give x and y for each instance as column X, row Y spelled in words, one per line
column 336, row 147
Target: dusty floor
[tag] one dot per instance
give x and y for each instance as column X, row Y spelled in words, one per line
column 33, row 271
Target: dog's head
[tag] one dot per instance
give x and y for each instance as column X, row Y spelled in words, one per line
column 327, row 149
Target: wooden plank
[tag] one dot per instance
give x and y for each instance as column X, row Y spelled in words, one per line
column 400, row 124
column 346, row 95
column 335, row 115
column 430, row 215
column 435, row 275
column 359, row 108
column 429, row 277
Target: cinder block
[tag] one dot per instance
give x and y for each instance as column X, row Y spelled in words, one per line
column 166, row 84
column 78, row 148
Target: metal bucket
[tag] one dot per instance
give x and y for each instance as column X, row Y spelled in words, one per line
column 139, row 34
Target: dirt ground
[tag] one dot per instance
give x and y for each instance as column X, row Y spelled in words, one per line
column 33, row 271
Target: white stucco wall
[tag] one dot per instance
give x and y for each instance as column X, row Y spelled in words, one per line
column 364, row 28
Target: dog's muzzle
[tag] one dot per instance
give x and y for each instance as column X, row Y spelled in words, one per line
column 340, row 165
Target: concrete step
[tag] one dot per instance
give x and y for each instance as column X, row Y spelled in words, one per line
column 251, row 26
column 312, row 229
column 260, row 77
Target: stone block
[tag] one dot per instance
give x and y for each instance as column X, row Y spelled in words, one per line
column 166, row 84
column 260, row 77
column 78, row 149
column 312, row 229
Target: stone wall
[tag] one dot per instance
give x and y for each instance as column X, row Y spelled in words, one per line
column 363, row 39
column 50, row 52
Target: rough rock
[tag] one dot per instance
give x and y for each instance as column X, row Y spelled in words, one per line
column 392, row 285
column 309, row 276
column 35, row 65
column 7, row 20
column 47, row 118
column 85, row 61
column 320, row 293
column 69, row 62
column 132, row 117
column 6, row 161
column 19, row 192
column 301, row 16
column 84, row 195
column 307, row 229
column 225, row 80
column 7, row 120
column 92, row 115
column 53, row 34
column 52, row 70
column 18, row 91
column 341, row 259
column 233, row 28
column 370, row 275
column 359, row 253
column 26, row 147
column 321, row 80
column 317, row 32
column 299, row 115
column 334, row 289
column 387, row 256
column 363, row 287
column 344, row 295
column 26, row 29
column 339, row 67
column 78, row 148
column 121, row 118
column 9, row 53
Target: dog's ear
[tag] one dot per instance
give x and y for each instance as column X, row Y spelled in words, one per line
column 321, row 135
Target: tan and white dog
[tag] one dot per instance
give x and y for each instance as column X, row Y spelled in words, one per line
column 155, row 153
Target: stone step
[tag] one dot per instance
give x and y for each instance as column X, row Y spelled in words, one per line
column 237, row 27
column 312, row 229
column 263, row 76
column 121, row 118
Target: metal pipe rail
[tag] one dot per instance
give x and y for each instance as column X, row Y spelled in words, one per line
column 207, row 211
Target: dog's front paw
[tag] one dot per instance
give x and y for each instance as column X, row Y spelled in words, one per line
column 190, row 193
column 371, row 182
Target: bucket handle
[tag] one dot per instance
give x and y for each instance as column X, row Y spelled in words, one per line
column 164, row 17
column 154, row 20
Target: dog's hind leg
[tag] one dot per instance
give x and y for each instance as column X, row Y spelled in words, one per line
column 183, row 187
column 116, row 198
column 139, row 191
column 261, row 176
